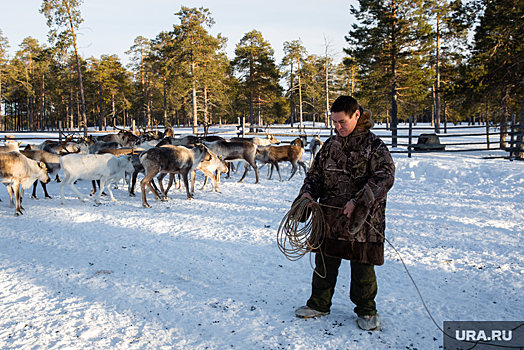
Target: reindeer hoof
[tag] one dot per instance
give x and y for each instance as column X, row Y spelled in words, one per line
column 132, row 195
column 18, row 213
column 48, row 197
column 145, row 205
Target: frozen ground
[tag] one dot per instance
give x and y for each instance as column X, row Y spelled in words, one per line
column 207, row 273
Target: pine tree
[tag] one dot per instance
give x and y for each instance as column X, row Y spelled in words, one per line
column 64, row 18
column 450, row 22
column 4, row 46
column 196, row 50
column 497, row 64
column 295, row 53
column 389, row 45
column 139, row 53
column 258, row 74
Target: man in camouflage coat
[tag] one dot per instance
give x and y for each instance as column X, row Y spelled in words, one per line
column 353, row 171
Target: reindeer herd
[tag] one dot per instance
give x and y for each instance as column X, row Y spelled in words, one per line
column 107, row 159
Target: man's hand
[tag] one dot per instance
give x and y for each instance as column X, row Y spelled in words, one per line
column 308, row 196
column 348, row 208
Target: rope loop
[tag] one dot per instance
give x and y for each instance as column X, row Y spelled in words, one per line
column 295, row 239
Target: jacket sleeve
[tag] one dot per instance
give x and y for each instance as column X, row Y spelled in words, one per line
column 382, row 169
column 314, row 181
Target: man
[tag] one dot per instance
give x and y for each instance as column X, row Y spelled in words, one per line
column 353, row 171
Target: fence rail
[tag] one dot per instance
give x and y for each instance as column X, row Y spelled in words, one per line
column 493, row 137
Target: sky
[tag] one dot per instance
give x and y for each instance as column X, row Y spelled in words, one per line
column 110, row 27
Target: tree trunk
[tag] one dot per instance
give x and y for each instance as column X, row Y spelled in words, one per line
column 206, row 115
column 300, row 102
column 194, row 100
column 394, row 92
column 82, row 100
column 4, row 105
column 504, row 116
column 437, row 83
column 100, row 110
column 165, row 99
column 520, row 154
column 251, row 88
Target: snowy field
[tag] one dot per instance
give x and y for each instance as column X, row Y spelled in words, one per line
column 207, row 273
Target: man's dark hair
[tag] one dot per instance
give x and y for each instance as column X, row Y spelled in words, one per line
column 345, row 104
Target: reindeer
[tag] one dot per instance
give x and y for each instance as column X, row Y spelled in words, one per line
column 172, row 160
column 314, row 147
column 17, row 170
column 52, row 162
column 103, row 167
column 236, row 150
column 276, row 154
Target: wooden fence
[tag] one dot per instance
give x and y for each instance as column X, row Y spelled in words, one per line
column 487, row 137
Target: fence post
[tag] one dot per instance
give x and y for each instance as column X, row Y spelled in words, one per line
column 243, row 126
column 410, row 134
column 59, row 131
column 487, row 134
column 511, row 139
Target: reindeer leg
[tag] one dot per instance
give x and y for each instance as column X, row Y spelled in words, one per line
column 18, row 209
column 44, row 186
column 103, row 193
column 147, row 181
column 205, row 182
column 186, row 183
column 192, row 179
column 21, row 197
column 94, row 187
column 10, row 191
column 163, row 193
column 133, row 184
column 293, row 171
column 253, row 164
column 278, row 171
column 62, row 197
column 33, row 195
column 102, row 187
column 79, row 195
column 243, row 176
column 228, row 176
column 301, row 163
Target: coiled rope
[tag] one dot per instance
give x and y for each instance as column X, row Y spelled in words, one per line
column 294, row 242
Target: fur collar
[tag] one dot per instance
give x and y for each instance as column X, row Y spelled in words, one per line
column 364, row 124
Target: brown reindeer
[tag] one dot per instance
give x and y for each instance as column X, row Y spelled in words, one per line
column 171, row 160
column 276, row 154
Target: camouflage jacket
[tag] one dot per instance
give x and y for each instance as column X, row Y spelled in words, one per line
column 357, row 167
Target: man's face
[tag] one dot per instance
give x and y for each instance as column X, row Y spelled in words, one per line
column 344, row 123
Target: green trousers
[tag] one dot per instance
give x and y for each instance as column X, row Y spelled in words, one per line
column 363, row 287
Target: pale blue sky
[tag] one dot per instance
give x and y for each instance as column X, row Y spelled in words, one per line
column 110, row 27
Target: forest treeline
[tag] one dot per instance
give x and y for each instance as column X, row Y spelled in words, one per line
column 434, row 60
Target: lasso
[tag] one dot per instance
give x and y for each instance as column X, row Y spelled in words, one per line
column 295, row 242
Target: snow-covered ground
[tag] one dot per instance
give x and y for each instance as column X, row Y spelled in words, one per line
column 207, row 273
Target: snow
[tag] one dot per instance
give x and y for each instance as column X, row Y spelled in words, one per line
column 207, row 273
